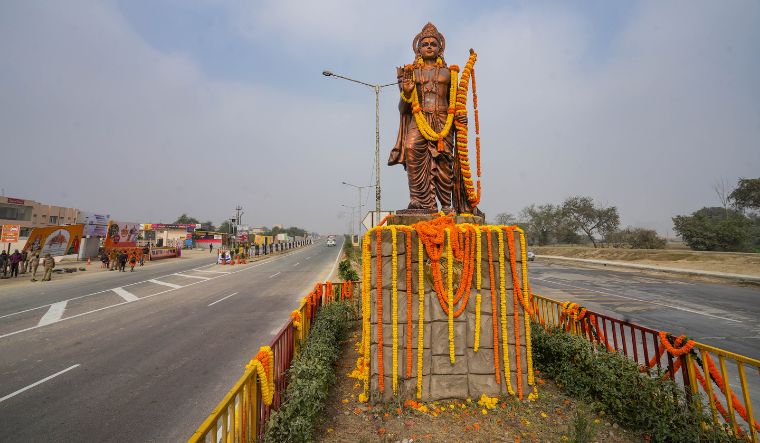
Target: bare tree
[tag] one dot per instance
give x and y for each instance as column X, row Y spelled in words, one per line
column 721, row 188
column 591, row 218
column 506, row 218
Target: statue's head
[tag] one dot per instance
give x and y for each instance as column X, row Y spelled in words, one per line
column 429, row 43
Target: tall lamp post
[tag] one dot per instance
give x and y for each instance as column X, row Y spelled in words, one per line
column 359, row 188
column 376, row 88
column 352, row 208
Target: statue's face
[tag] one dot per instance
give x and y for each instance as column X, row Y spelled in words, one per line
column 429, row 48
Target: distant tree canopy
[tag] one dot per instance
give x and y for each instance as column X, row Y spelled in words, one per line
column 717, row 229
column 292, row 231
column 208, row 225
column 226, row 226
column 184, row 219
column 590, row 218
column 505, row 218
column 747, row 194
column 635, row 238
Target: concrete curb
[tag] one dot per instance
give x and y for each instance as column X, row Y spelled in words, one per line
column 722, row 275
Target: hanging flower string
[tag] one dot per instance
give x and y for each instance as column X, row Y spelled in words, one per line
column 494, row 322
column 420, row 313
column 263, row 364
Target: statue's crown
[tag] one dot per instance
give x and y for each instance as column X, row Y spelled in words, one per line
column 429, row 30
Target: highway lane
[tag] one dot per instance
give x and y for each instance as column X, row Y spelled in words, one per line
column 151, row 369
column 722, row 315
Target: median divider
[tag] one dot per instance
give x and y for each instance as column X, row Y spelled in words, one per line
column 242, row 414
column 690, row 363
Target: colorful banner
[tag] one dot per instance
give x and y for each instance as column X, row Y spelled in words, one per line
column 95, row 225
column 10, row 233
column 122, row 234
column 55, row 240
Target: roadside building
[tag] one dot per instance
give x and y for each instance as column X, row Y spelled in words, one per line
column 31, row 214
column 161, row 234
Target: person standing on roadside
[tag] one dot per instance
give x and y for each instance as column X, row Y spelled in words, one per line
column 132, row 261
column 49, row 264
column 123, row 261
column 15, row 260
column 24, row 261
column 145, row 253
column 210, row 248
column 34, row 262
column 4, row 258
column 113, row 259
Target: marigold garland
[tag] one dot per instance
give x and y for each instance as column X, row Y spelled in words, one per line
column 394, row 308
column 263, row 364
column 494, row 322
column 478, row 286
column 425, row 129
column 450, row 292
column 473, row 195
column 296, row 316
column 528, row 310
column 516, row 295
column 380, row 366
column 420, row 313
column 408, row 237
column 363, row 365
column 503, row 307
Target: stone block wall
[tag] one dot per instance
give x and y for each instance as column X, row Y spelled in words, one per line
column 473, row 373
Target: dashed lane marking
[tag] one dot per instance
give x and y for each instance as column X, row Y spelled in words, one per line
column 213, row 272
column 275, row 275
column 164, row 283
column 126, row 295
column 680, row 308
column 53, row 314
column 13, row 394
column 296, row 264
column 224, row 298
column 192, row 276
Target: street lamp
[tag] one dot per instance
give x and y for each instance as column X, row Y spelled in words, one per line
column 352, row 208
column 359, row 188
column 376, row 88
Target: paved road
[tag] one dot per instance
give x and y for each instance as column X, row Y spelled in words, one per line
column 721, row 315
column 143, row 356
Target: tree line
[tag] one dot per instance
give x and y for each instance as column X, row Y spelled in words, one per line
column 227, row 226
column 579, row 220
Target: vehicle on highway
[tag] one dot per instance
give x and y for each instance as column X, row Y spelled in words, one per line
column 531, row 256
column 330, row 242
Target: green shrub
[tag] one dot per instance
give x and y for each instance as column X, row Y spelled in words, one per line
column 346, row 272
column 310, row 376
column 613, row 383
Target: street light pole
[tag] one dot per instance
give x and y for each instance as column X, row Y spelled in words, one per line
column 359, row 188
column 352, row 218
column 376, row 88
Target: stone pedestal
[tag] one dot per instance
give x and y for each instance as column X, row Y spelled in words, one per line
column 473, row 373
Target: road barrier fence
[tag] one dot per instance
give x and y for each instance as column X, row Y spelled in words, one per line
column 242, row 414
column 650, row 348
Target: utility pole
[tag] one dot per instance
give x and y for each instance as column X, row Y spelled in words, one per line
column 238, row 214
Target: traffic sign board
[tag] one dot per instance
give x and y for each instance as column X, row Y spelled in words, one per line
column 371, row 219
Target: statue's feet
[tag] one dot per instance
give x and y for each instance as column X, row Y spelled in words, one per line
column 447, row 209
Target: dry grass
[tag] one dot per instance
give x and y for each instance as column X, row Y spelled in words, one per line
column 553, row 417
column 730, row 262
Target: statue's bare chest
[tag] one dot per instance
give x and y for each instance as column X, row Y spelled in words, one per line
column 433, row 84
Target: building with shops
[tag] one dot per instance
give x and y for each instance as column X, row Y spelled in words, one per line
column 31, row 214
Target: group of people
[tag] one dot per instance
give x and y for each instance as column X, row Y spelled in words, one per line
column 23, row 262
column 117, row 259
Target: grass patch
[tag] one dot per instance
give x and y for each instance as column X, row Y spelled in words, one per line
column 613, row 385
column 310, row 377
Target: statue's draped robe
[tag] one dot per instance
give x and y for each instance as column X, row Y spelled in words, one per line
column 431, row 173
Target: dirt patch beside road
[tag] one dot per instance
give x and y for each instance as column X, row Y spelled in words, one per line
column 730, row 262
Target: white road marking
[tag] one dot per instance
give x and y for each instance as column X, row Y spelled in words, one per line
column 258, row 263
column 340, row 251
column 275, row 275
column 126, row 295
column 13, row 394
column 308, row 258
column 164, row 283
column 193, row 276
column 213, row 272
column 225, row 298
column 680, row 308
column 296, row 264
column 53, row 314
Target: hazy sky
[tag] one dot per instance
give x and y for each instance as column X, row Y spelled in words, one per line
column 148, row 109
